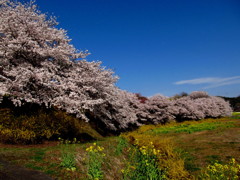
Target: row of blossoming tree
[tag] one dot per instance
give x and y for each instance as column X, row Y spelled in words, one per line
column 39, row 65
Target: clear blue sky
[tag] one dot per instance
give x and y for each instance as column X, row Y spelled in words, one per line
column 158, row 46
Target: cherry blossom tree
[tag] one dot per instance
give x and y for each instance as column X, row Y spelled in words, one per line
column 39, row 65
column 156, row 110
column 199, row 105
column 33, row 53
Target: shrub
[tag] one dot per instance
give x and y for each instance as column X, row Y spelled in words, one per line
column 34, row 127
column 168, row 160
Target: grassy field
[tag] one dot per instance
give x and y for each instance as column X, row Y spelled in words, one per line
column 172, row 151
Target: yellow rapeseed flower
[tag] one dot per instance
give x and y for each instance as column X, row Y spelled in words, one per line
column 154, row 152
column 232, row 161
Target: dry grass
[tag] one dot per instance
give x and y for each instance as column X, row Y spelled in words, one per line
column 182, row 154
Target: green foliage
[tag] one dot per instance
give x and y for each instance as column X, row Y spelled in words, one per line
column 68, row 160
column 122, row 143
column 143, row 164
column 95, row 161
column 222, row 172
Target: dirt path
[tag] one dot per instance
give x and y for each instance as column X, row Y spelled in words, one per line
column 9, row 171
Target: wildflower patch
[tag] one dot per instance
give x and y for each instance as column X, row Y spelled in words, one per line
column 222, row 172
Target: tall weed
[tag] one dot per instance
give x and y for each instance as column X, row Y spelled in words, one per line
column 95, row 160
column 143, row 164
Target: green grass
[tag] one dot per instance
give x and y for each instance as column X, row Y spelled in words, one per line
column 122, row 143
column 189, row 160
column 191, row 128
column 33, row 166
column 236, row 115
column 211, row 159
column 38, row 155
column 50, row 172
column 197, row 143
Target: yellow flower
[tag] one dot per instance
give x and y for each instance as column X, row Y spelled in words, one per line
column 89, row 149
column 233, row 161
column 137, row 142
column 154, row 151
column 236, row 177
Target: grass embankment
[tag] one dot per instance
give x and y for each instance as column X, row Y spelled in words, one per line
column 198, row 143
column 172, row 151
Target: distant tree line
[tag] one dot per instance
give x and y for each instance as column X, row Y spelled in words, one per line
column 234, row 102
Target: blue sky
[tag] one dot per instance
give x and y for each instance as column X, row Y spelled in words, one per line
column 158, row 46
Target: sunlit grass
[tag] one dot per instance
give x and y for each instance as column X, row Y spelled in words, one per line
column 236, row 115
column 191, row 127
column 187, row 126
column 171, row 151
